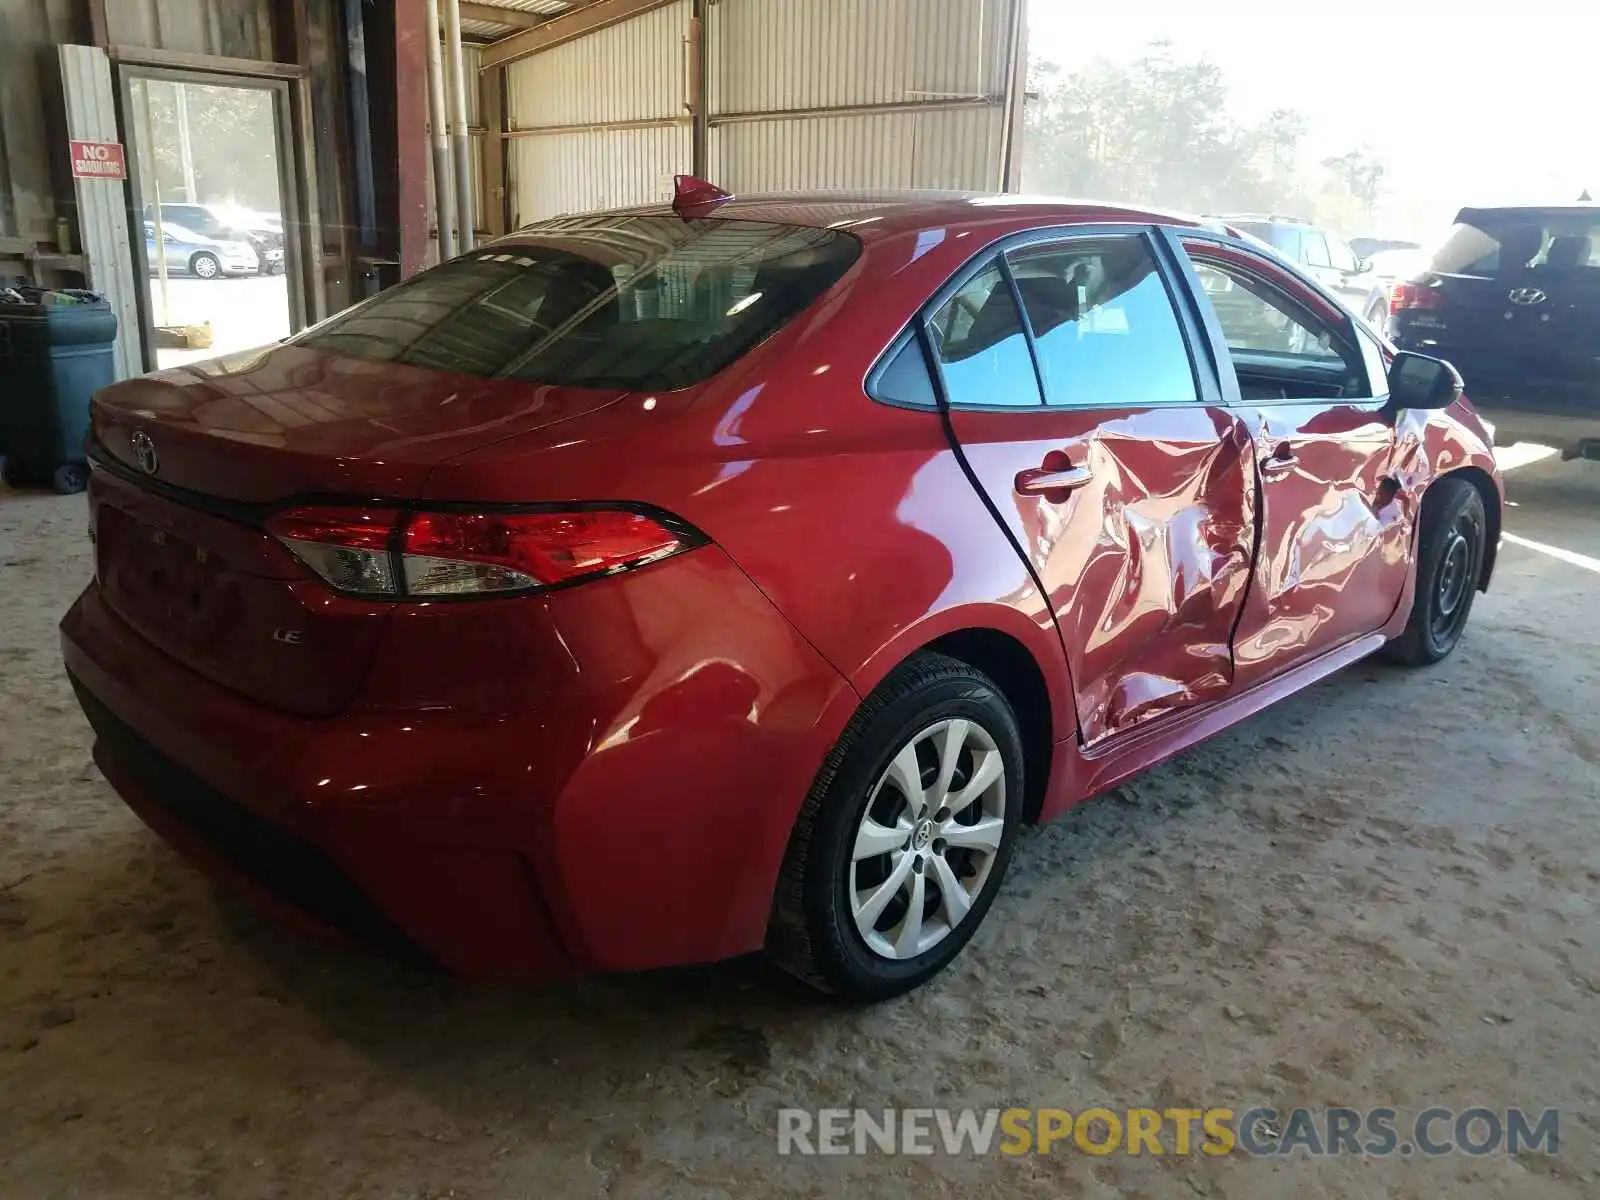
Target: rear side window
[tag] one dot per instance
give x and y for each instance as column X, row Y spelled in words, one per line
column 1103, row 324
column 637, row 302
column 983, row 352
column 1493, row 242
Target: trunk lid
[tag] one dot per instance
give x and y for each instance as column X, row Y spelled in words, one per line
column 266, row 425
column 180, row 554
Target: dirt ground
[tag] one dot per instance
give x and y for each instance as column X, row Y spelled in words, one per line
column 1382, row 892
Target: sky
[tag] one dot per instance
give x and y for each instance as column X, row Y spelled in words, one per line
column 1473, row 102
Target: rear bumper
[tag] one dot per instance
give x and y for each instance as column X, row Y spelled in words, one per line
column 631, row 814
column 226, row 783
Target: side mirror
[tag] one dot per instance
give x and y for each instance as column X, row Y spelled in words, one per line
column 1363, row 265
column 1418, row 381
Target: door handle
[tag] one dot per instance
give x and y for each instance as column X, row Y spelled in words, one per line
column 1038, row 480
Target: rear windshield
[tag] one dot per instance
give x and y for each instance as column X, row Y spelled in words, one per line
column 1516, row 239
column 606, row 302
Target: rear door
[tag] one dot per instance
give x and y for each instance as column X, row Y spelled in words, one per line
column 1334, row 541
column 1103, row 448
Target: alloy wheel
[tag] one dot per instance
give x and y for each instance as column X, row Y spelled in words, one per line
column 928, row 839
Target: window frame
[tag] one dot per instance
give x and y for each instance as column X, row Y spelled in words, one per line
column 1171, row 268
column 1286, row 283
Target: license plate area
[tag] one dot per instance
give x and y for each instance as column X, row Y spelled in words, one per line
column 161, row 581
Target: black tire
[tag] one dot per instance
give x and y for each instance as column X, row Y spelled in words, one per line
column 12, row 475
column 69, row 479
column 812, row 933
column 1449, row 565
column 205, row 265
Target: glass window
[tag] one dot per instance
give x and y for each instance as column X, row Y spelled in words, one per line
column 983, row 352
column 1279, row 351
column 904, row 379
column 1315, row 253
column 1103, row 324
column 1512, row 239
column 1340, row 255
column 604, row 302
column 1288, row 241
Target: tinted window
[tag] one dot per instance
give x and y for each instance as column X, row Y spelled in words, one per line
column 626, row 302
column 1103, row 324
column 1315, row 252
column 983, row 353
column 904, row 379
column 1513, row 239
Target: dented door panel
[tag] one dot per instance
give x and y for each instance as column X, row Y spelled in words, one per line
column 1336, row 533
column 1147, row 562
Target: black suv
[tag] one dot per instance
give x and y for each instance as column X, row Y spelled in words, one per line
column 1512, row 298
column 1325, row 256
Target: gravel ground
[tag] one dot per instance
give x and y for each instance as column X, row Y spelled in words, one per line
column 1382, row 892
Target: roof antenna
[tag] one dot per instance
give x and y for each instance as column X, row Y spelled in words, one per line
column 695, row 199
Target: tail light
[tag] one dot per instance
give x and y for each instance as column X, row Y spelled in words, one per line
column 394, row 553
column 1414, row 295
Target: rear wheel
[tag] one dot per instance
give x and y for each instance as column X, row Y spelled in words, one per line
column 902, row 843
column 69, row 479
column 205, row 265
column 1378, row 316
column 1449, row 565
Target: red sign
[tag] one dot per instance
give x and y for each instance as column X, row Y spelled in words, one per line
column 99, row 160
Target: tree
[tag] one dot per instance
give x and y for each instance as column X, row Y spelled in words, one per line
column 1157, row 131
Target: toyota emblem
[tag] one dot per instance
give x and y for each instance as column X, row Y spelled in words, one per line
column 1527, row 297
column 144, row 452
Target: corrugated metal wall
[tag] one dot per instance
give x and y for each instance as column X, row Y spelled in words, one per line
column 769, row 55
column 602, row 118
column 934, row 71
column 812, row 94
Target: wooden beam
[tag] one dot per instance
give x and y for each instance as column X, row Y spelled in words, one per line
column 99, row 29
column 182, row 60
column 501, row 16
column 596, row 15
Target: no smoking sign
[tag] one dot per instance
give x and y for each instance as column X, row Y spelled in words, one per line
column 99, row 160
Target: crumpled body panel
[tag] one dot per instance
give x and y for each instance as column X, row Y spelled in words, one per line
column 1335, row 534
column 1148, row 563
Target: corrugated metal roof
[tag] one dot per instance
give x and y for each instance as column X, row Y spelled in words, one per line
column 547, row 7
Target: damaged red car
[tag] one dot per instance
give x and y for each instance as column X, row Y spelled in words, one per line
column 667, row 584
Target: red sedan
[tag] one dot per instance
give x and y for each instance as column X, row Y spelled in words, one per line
column 667, row 584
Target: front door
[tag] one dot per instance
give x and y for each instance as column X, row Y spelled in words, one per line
column 1110, row 459
column 1334, row 537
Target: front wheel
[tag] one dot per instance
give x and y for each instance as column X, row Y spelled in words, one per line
column 903, row 841
column 205, row 265
column 1449, row 565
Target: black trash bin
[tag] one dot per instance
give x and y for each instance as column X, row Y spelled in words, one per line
column 54, row 355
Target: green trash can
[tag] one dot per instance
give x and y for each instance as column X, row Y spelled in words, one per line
column 55, row 353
